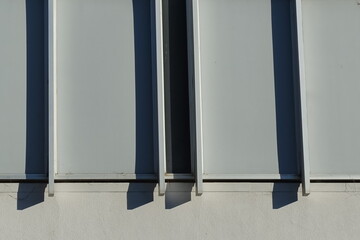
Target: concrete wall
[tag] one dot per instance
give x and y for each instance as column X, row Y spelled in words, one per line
column 225, row 211
column 135, row 210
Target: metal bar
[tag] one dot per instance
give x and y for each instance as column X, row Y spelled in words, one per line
column 191, row 75
column 154, row 88
column 179, row 176
column 113, row 176
column 337, row 177
column 22, row 176
column 52, row 96
column 160, row 95
column 303, row 101
column 197, row 98
column 125, row 176
column 251, row 177
column 296, row 87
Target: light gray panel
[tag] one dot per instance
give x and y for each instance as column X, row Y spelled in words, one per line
column 103, row 87
column 238, row 91
column 12, row 86
column 332, row 61
column 22, row 95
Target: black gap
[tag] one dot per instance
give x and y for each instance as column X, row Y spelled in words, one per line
column 176, row 87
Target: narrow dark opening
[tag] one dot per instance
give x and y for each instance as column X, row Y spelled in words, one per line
column 176, row 87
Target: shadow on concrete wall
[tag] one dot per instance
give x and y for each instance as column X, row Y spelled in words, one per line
column 140, row 194
column 30, row 194
column 284, row 75
column 146, row 112
column 284, row 193
column 177, row 99
column 177, row 194
column 37, row 122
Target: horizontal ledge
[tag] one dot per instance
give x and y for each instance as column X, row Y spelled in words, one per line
column 120, row 176
column 335, row 177
column 123, row 187
column 179, row 176
column 22, row 176
column 168, row 176
column 105, row 176
column 251, row 177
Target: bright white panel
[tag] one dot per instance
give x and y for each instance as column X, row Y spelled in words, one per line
column 239, row 41
column 104, row 78
column 332, row 61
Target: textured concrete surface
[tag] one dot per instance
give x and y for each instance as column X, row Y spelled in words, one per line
column 135, row 211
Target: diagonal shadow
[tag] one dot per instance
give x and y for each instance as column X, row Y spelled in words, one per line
column 177, row 194
column 139, row 194
column 30, row 194
column 143, row 12
column 284, row 98
column 284, row 193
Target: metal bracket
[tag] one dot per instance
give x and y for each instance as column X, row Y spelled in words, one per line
column 195, row 92
column 160, row 95
column 303, row 101
column 52, row 97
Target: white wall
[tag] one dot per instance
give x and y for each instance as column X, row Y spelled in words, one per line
column 225, row 211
